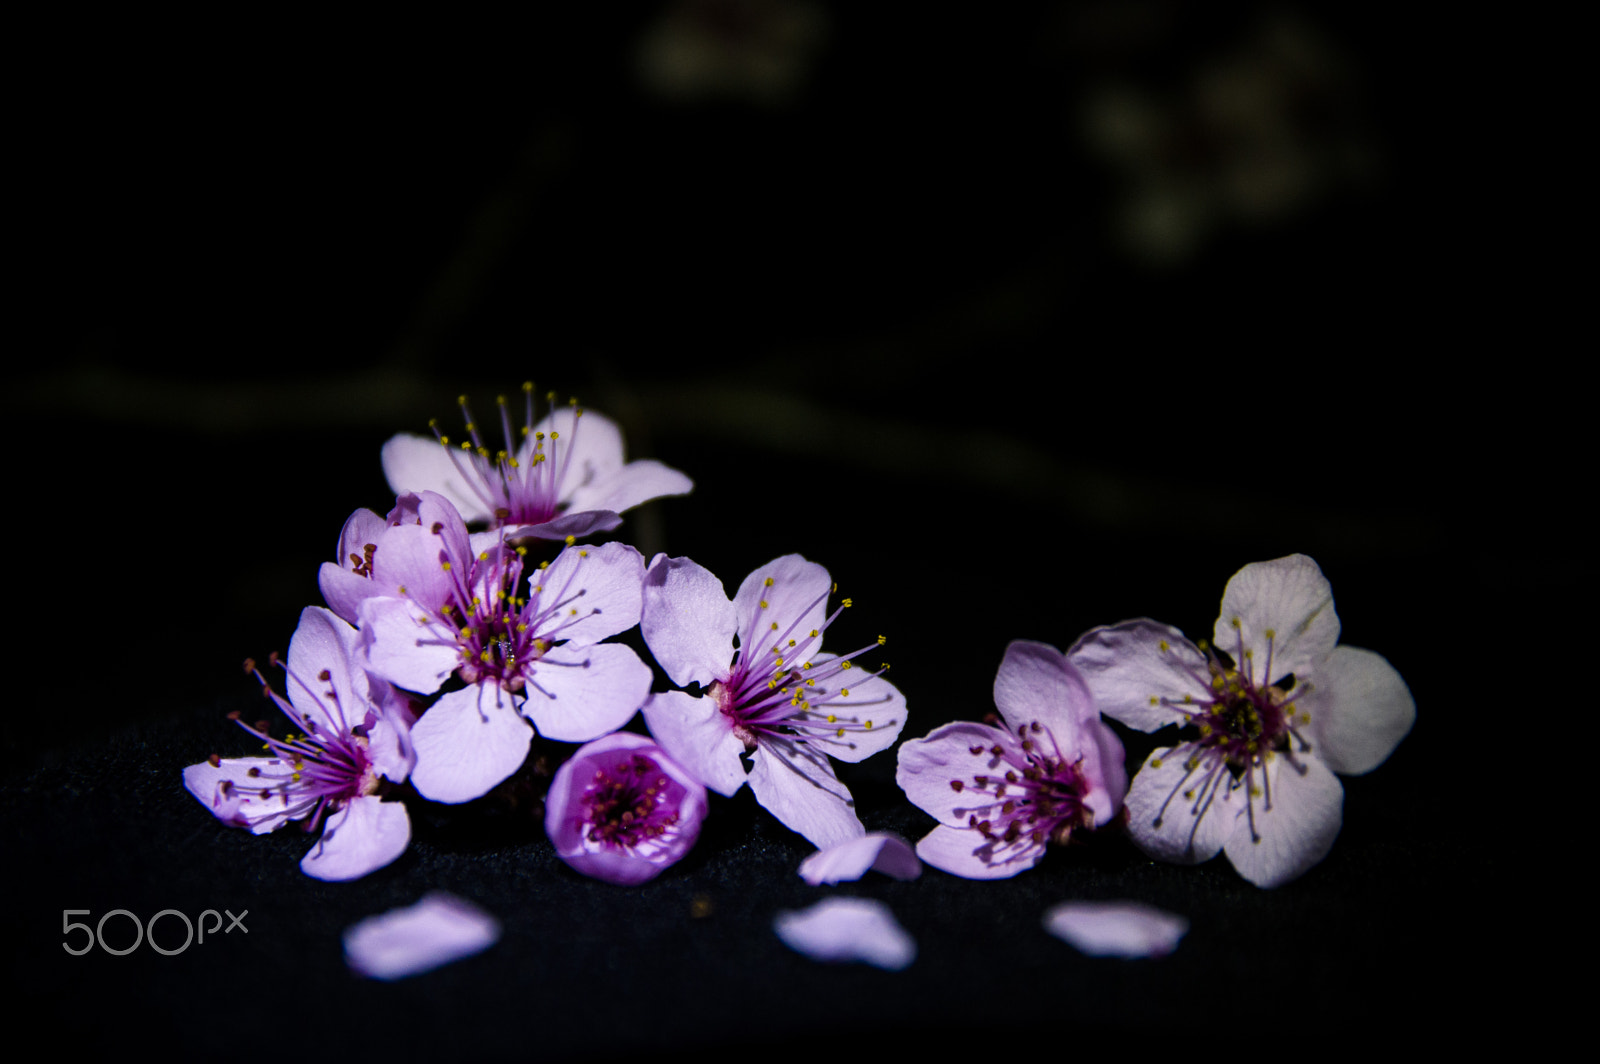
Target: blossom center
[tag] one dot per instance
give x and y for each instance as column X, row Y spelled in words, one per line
column 521, row 483
column 629, row 803
column 1026, row 790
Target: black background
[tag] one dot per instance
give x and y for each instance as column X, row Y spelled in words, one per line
column 886, row 317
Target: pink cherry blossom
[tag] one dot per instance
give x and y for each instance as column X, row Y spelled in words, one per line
column 353, row 737
column 1276, row 707
column 781, row 700
column 1046, row 767
column 621, row 810
column 564, row 476
column 525, row 641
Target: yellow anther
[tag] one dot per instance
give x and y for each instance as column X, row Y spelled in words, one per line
column 846, row 602
column 527, row 386
column 844, row 692
column 583, row 554
column 1192, row 764
column 1188, row 700
column 402, row 590
column 572, row 613
column 811, row 683
column 500, row 399
column 466, row 445
column 867, row 725
column 813, row 633
column 791, row 642
column 767, row 582
column 882, row 639
column 772, row 684
column 840, row 733
column 571, row 540
column 540, row 644
column 1188, row 795
column 466, row 633
column 484, row 556
column 764, row 606
column 842, row 665
column 1155, row 762
column 295, row 777
column 461, row 400
column 1234, row 622
column 807, row 665
column 1154, row 701
column 544, row 565
column 1271, row 633
column 538, row 435
column 445, row 566
column 522, row 552
column 444, row 441
column 554, row 435
column 1255, row 792
column 523, row 627
column 832, row 719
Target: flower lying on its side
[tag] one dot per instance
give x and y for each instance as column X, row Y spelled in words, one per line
column 781, row 701
column 1277, row 709
column 1002, row 793
column 354, row 734
column 848, row 929
column 621, row 810
column 419, row 938
column 850, row 860
column 525, row 648
column 565, row 478
column 1116, row 928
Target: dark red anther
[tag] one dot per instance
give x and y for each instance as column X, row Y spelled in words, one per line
column 324, row 675
column 233, row 715
column 976, row 750
column 438, row 526
column 249, row 664
column 214, row 761
column 996, row 750
column 956, row 785
column 254, row 772
column 263, row 726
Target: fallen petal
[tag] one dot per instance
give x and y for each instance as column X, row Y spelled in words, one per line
column 1116, row 928
column 848, row 929
column 435, row 931
column 850, row 860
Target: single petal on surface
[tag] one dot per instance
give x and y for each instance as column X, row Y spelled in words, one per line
column 1292, row 598
column 688, row 622
column 850, row 860
column 1130, row 667
column 467, row 742
column 1116, row 928
column 929, row 767
column 240, row 803
column 1360, row 710
column 699, row 737
column 848, row 929
column 405, row 647
column 436, row 930
column 796, row 601
column 633, row 484
column 362, row 837
column 1296, row 832
column 870, row 710
column 1179, row 815
column 967, row 853
column 421, row 463
column 602, row 584
column 580, row 693
column 795, row 783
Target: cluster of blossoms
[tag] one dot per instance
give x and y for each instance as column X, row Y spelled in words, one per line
column 444, row 651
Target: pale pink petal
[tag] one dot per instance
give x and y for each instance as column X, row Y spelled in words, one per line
column 1131, row 667
column 389, row 739
column 967, row 853
column 1291, row 598
column 323, row 643
column 584, row 450
column 436, row 930
column 795, row 783
column 870, row 710
column 1179, row 815
column 405, row 646
column 1360, row 710
column 930, row 766
column 1116, row 928
column 240, row 803
column 421, row 463
column 1296, row 832
column 345, row 591
column 575, row 694
column 633, row 484
column 699, row 737
column 362, row 837
column 578, row 523
column 688, row 622
column 467, row 742
column 848, row 929
column 1035, row 683
column 850, row 860
column 795, row 601
column 601, row 584
column 1104, row 765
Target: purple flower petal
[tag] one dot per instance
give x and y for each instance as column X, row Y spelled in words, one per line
column 688, row 621
column 362, row 837
column 580, row 693
column 850, row 860
column 796, row 784
column 1289, row 597
column 848, row 929
column 1298, row 831
column 1360, row 710
column 699, row 736
column 1116, row 928
column 1133, row 666
column 467, row 742
column 436, row 930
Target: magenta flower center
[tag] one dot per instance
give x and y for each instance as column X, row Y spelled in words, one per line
column 1026, row 789
column 517, row 488
column 630, row 802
